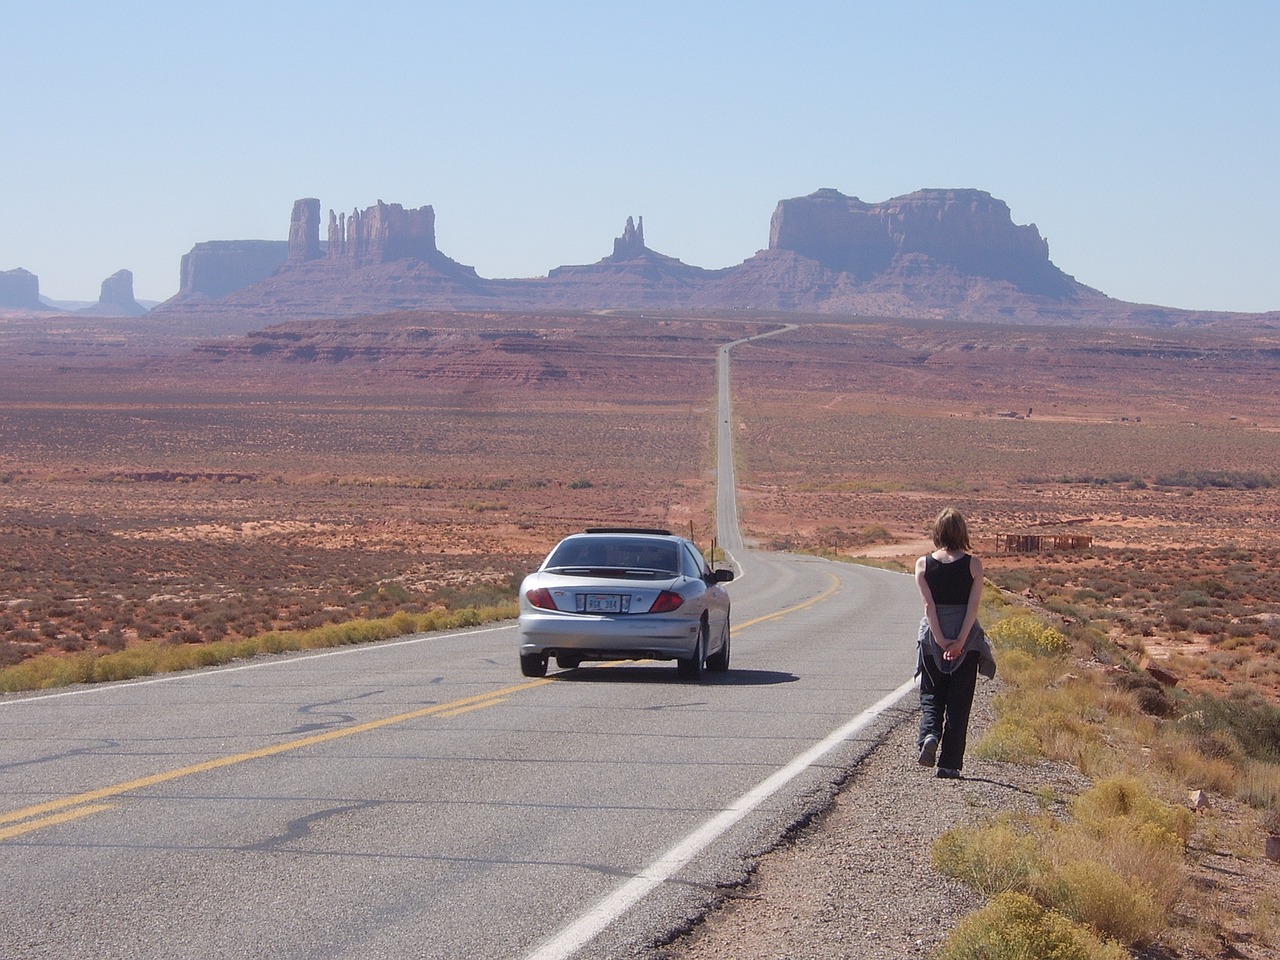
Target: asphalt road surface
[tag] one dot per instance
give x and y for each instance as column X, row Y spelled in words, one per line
column 420, row 799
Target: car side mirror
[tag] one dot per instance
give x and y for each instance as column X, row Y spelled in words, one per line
column 720, row 576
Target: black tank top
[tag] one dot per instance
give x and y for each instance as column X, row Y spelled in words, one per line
column 950, row 583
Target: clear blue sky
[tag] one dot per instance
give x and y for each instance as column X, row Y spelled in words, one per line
column 1142, row 138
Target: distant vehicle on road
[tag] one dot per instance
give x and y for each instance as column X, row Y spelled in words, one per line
column 622, row 593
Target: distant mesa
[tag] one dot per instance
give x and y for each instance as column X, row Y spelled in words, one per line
column 633, row 274
column 344, row 269
column 935, row 254
column 20, row 290
column 968, row 231
column 116, row 298
column 216, row 268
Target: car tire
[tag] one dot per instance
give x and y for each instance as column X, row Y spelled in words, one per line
column 532, row 665
column 718, row 662
column 693, row 667
column 568, row 663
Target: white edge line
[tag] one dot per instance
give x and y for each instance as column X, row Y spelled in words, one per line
column 299, row 656
column 580, row 931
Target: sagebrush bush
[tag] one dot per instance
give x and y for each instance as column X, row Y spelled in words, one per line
column 1126, row 799
column 1008, row 741
column 1252, row 722
column 1014, row 927
column 1104, row 900
column 991, row 859
column 1029, row 634
column 1049, row 713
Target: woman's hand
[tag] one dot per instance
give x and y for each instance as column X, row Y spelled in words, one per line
column 952, row 649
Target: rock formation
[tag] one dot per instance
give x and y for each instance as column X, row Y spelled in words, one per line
column 631, row 243
column 216, row 268
column 116, row 298
column 967, row 230
column 936, row 254
column 382, row 233
column 20, row 290
column 304, row 231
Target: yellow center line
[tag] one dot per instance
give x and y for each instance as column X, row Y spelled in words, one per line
column 474, row 706
column 115, row 790
column 442, row 710
column 835, row 585
column 9, row 833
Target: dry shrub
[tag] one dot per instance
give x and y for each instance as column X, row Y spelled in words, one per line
column 1126, row 801
column 1014, row 927
column 1115, row 867
column 1249, row 720
column 1048, row 713
column 1107, row 902
column 991, row 859
column 1028, row 633
column 48, row 670
column 1008, row 741
column 1259, row 785
column 1196, row 768
column 145, row 659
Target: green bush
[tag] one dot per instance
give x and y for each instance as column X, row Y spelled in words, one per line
column 1251, row 721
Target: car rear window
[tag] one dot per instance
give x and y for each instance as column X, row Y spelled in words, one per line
column 610, row 556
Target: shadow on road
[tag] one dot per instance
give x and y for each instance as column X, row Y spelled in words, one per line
column 663, row 673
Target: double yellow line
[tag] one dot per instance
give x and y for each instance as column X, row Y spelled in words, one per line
column 67, row 809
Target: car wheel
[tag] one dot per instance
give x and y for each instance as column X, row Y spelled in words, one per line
column 719, row 661
column 533, row 665
column 692, row 668
column 569, row 663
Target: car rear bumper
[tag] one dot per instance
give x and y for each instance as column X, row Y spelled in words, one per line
column 608, row 638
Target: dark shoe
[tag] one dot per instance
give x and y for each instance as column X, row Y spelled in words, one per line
column 946, row 773
column 929, row 751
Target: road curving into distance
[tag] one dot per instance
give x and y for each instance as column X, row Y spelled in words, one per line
column 418, row 798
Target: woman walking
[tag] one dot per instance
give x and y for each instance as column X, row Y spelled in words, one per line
column 953, row 648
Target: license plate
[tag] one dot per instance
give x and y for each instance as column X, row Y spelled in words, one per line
column 604, row 603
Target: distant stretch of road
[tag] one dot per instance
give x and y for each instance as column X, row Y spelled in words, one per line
column 419, row 798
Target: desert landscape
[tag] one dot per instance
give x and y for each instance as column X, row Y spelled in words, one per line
column 312, row 473
column 1124, row 485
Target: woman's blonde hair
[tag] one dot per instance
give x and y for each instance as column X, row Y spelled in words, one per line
column 950, row 530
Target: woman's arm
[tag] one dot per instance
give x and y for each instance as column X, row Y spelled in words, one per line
column 970, row 614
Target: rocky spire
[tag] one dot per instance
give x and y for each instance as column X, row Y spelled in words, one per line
column 304, row 231
column 631, row 243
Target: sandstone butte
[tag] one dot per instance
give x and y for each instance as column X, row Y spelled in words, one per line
column 945, row 254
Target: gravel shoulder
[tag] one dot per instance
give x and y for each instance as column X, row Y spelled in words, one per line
column 857, row 883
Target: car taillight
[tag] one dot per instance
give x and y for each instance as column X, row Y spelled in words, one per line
column 541, row 598
column 665, row 602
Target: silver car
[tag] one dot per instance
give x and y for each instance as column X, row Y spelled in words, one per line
column 625, row 594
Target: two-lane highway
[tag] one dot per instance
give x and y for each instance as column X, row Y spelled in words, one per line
column 419, row 798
